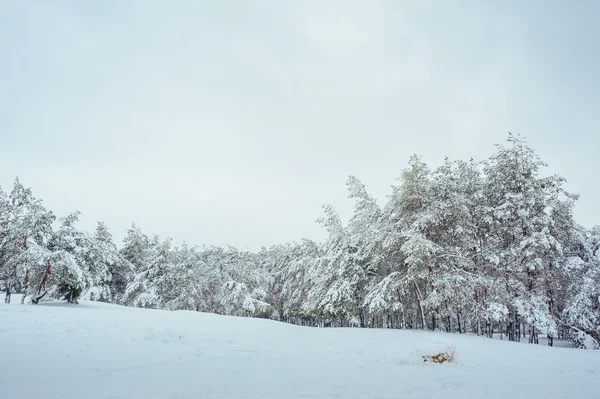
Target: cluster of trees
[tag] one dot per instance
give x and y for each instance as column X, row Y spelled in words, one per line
column 468, row 247
column 40, row 261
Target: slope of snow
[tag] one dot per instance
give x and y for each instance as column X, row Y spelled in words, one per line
column 95, row 350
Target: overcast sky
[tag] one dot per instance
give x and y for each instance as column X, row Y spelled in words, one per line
column 232, row 122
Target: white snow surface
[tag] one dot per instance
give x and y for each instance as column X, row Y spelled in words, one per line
column 95, row 350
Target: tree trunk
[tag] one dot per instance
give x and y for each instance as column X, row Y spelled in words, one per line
column 420, row 306
column 531, row 334
column 25, row 286
column 42, row 286
column 35, row 300
column 459, row 326
column 511, row 325
column 550, row 340
column 515, row 332
column 7, row 297
column 477, row 302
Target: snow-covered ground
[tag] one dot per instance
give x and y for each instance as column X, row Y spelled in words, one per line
column 95, row 350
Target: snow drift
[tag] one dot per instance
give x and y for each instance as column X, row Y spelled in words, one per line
column 95, row 350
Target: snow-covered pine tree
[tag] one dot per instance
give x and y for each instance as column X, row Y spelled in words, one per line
column 5, row 233
column 136, row 248
column 449, row 224
column 245, row 287
column 23, row 222
column 527, row 251
column 408, row 212
column 152, row 280
column 120, row 271
column 181, row 285
column 338, row 280
column 582, row 312
column 75, row 264
column 286, row 268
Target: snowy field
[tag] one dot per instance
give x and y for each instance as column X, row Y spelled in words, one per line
column 94, row 350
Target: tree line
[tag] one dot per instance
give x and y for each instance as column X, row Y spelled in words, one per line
column 481, row 247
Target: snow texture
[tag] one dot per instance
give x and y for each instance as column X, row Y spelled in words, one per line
column 99, row 351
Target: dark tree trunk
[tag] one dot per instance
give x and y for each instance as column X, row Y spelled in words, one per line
column 420, row 311
column 459, row 324
column 25, row 286
column 513, row 332
column 510, row 329
column 550, row 341
column 531, row 334
column 7, row 284
column 35, row 300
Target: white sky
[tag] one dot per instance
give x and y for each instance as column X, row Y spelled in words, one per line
column 232, row 122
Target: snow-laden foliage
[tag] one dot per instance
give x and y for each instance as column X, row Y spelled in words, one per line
column 582, row 313
column 23, row 222
column 485, row 247
column 119, row 271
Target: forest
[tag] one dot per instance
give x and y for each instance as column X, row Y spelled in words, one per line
column 468, row 247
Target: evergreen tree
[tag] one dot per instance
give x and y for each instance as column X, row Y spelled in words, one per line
column 466, row 247
column 120, row 271
column 25, row 222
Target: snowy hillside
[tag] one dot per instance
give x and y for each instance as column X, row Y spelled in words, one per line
column 94, row 350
